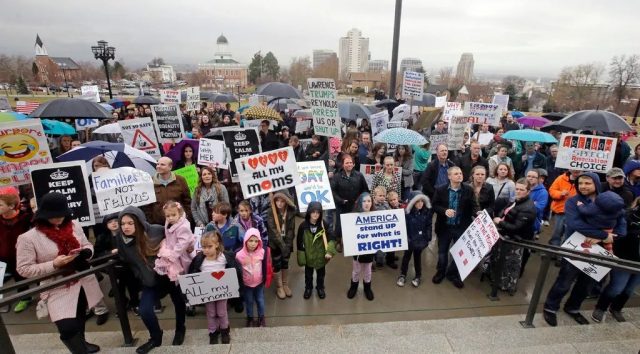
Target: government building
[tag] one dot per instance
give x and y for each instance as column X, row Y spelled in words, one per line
column 223, row 72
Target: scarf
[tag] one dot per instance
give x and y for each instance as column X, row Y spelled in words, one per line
column 63, row 237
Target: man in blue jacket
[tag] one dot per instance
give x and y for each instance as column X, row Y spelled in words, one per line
column 588, row 189
column 539, row 195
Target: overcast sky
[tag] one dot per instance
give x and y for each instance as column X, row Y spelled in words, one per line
column 505, row 36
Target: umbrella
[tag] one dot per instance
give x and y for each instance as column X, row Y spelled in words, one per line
column 517, row 114
column 107, row 106
column 12, row 116
column 401, row 136
column 118, row 102
column 303, row 113
column 529, row 135
column 175, row 153
column 554, row 126
column 113, row 128
column 284, row 103
column 373, row 109
column 386, row 102
column 554, row 116
column 56, row 127
column 261, row 112
column 222, row 97
column 278, row 89
column 118, row 155
column 428, row 100
column 146, row 100
column 601, row 121
column 531, row 121
column 244, row 107
column 402, row 112
column 352, row 111
column 70, row 108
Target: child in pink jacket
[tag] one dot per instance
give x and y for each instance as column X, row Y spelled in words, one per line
column 253, row 260
column 174, row 256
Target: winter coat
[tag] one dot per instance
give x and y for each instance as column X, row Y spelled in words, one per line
column 310, row 245
column 231, row 238
column 176, row 190
column 199, row 208
column 392, row 184
column 629, row 167
column 466, row 164
column 465, row 212
column 604, row 212
column 196, row 265
column 35, row 253
column 253, row 264
column 628, row 247
column 486, row 198
column 276, row 240
column 562, row 183
column 173, row 258
column 539, row 161
column 10, row 229
column 495, row 160
column 347, row 188
column 430, row 176
column 269, row 141
column 540, row 198
column 256, row 222
column 505, row 189
column 311, row 149
column 624, row 192
column 418, row 222
column 519, row 220
column 407, row 173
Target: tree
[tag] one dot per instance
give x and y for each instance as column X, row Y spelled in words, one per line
column 426, row 76
column 623, row 71
column 156, row 61
column 446, row 75
column 255, row 68
column 517, row 82
column 22, row 86
column 300, row 70
column 513, row 95
column 118, row 70
column 578, row 88
column 271, row 67
column 328, row 69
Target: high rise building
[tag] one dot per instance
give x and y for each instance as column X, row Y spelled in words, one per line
column 465, row 68
column 410, row 64
column 354, row 53
column 320, row 56
column 378, row 65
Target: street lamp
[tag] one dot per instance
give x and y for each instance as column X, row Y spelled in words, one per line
column 64, row 75
column 104, row 53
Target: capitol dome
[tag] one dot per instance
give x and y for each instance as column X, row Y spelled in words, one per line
column 222, row 40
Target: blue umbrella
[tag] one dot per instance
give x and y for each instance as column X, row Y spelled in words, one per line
column 56, row 127
column 529, row 135
column 243, row 108
column 517, row 114
column 400, row 136
column 107, row 106
column 117, row 154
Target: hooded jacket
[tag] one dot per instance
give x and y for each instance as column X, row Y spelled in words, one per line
column 540, row 198
column 347, row 188
column 604, row 211
column 629, row 167
column 254, row 263
column 276, row 240
column 561, row 184
column 106, row 241
column 519, row 221
column 173, row 258
column 231, row 239
column 311, row 248
column 418, row 222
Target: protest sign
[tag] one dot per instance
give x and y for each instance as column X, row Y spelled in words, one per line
column 412, row 85
column 170, row 97
column 441, row 101
column 368, row 171
column 139, row 133
column 475, row 243
column 452, row 109
column 197, row 233
column 200, row 288
column 190, row 174
column 366, row 233
column 254, row 100
column 397, row 124
column 193, row 98
column 86, row 123
column 212, row 153
column 577, row 242
column 168, row 122
column 267, row 172
column 69, row 179
column 22, row 144
column 314, row 185
column 119, row 188
column 438, row 139
column 586, row 152
column 426, row 118
column 323, row 99
column 379, row 122
column 502, row 101
column 92, row 91
column 483, row 113
column 302, row 125
column 241, row 142
column 3, row 269
column 457, row 127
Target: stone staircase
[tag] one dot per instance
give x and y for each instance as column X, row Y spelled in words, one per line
column 497, row 334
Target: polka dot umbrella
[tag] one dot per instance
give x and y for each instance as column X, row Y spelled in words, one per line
column 261, row 112
column 400, row 136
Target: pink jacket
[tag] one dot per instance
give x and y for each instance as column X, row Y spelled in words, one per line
column 251, row 262
column 35, row 255
column 173, row 258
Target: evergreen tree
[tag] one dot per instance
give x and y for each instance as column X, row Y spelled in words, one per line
column 271, row 67
column 22, row 86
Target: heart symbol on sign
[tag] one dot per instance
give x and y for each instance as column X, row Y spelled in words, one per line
column 263, row 160
column 283, row 155
column 273, row 158
column 217, row 275
column 253, row 162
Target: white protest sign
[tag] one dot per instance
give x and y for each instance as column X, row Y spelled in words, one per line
column 451, row 109
column 3, row 269
column 441, row 101
column 481, row 113
column 303, row 125
column 193, row 98
column 586, row 152
column 92, row 91
column 457, row 127
column 200, row 288
column 86, row 123
column 397, row 124
column 267, row 172
column 212, row 153
column 366, row 233
column 197, row 233
column 23, row 144
column 323, row 98
column 577, row 242
column 379, row 122
column 502, row 101
column 170, row 97
column 139, row 133
column 168, row 122
column 254, row 100
column 119, row 188
column 475, row 243
column 314, row 185
column 438, row 139
column 413, row 85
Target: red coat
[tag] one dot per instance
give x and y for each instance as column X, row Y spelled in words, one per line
column 10, row 229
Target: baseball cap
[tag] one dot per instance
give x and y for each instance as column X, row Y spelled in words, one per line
column 615, row 172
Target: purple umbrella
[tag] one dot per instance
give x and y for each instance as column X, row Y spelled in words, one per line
column 531, row 121
column 175, row 154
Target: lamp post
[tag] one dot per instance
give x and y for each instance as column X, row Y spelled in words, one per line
column 104, row 53
column 64, row 75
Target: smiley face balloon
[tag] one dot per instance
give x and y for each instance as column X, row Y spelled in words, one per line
column 18, row 148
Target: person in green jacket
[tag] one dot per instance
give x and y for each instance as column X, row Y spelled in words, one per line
column 316, row 246
column 421, row 158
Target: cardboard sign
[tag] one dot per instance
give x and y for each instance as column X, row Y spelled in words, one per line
column 412, row 85
column 475, row 243
column 314, row 185
column 86, row 123
column 323, row 98
column 452, row 109
column 92, row 91
column 168, row 122
column 577, row 242
column 379, row 122
column 190, row 174
column 170, row 97
column 200, row 288
column 139, row 133
column 212, row 153
column 481, row 113
column 193, row 98
column 441, row 101
column 267, row 172
column 457, row 127
column 586, row 152
column 241, row 142
column 22, row 144
column 439, row 139
column 69, row 179
column 119, row 188
column 302, row 126
column 502, row 101
column 367, row 233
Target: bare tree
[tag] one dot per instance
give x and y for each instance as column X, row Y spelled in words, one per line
column 328, row 69
column 579, row 87
column 299, row 71
column 623, row 71
column 446, row 75
column 517, row 82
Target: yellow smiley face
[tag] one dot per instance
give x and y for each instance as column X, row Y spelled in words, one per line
column 18, row 148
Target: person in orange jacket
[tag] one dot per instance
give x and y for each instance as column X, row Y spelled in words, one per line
column 563, row 188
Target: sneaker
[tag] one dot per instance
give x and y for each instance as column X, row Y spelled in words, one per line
column 401, row 281
column 577, row 316
column 545, row 223
column 617, row 315
column 415, row 282
column 21, row 306
column 597, row 315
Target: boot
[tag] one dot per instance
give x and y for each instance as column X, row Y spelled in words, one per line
column 285, row 282
column 250, row 322
column 368, row 293
column 279, row 290
column 91, row 348
column 214, row 337
column 353, row 289
column 226, row 338
column 76, row 344
column 178, row 337
column 150, row 344
column 262, row 322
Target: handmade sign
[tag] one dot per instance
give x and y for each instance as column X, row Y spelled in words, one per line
column 170, row 97
column 190, row 174
column 438, row 139
column 367, row 233
column 586, row 152
column 193, row 98
column 368, row 171
column 241, row 142
column 139, row 133
column 379, row 122
column 197, row 233
column 314, row 185
column 168, row 122
column 91, row 91
column 119, row 188
column 483, row 113
column 323, row 98
column 475, row 243
column 302, row 125
column 451, row 109
column 200, row 288
column 502, row 101
column 441, row 101
column 212, row 153
column 577, row 242
column 457, row 127
column 69, row 179
column 86, row 123
column 412, row 85
column 22, row 144
column 267, row 172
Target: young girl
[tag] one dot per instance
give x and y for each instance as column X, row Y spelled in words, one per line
column 418, row 220
column 213, row 259
column 316, row 247
column 254, row 262
column 173, row 256
column 362, row 263
column 281, row 226
column 246, row 219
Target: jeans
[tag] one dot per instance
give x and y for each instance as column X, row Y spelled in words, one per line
column 445, row 241
column 569, row 275
column 148, row 300
column 308, row 277
column 417, row 262
column 557, row 235
column 620, row 288
column 252, row 295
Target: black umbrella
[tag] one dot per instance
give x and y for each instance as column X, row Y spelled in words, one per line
column 602, row 121
column 352, row 110
column 387, row 102
column 146, row 100
column 428, row 100
column 222, row 98
column 70, row 108
column 554, row 126
column 554, row 116
column 279, row 89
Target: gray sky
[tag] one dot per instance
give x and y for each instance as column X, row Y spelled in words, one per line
column 505, row 36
